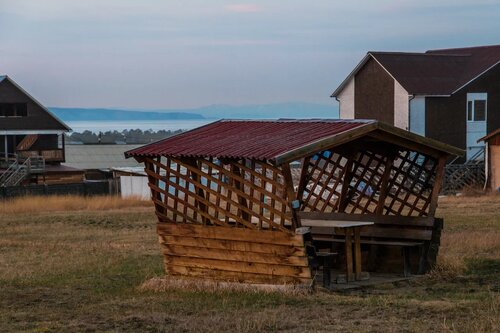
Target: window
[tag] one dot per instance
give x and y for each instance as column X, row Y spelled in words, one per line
column 476, row 106
column 13, row 110
column 480, row 110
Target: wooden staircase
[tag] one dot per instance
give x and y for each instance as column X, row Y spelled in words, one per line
column 17, row 172
column 469, row 174
column 27, row 142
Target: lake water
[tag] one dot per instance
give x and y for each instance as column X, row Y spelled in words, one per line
column 156, row 125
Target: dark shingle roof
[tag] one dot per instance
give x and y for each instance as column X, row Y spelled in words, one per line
column 27, row 123
column 435, row 72
column 424, row 73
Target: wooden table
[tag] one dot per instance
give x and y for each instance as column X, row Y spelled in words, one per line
column 351, row 230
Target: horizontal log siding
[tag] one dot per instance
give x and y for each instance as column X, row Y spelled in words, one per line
column 233, row 254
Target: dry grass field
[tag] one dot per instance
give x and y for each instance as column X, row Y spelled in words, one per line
column 73, row 264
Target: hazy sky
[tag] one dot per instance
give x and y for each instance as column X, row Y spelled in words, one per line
column 167, row 54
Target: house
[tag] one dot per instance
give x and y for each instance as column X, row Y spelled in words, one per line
column 31, row 140
column 451, row 95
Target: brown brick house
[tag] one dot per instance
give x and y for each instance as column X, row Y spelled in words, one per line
column 452, row 95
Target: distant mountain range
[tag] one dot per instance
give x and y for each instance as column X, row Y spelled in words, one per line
column 73, row 114
column 265, row 111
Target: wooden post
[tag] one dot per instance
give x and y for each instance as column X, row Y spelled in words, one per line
column 348, row 255
column 438, row 183
column 149, row 165
column 344, row 194
column 291, row 196
column 6, row 145
column 241, row 200
column 357, row 252
column 304, row 178
column 384, row 189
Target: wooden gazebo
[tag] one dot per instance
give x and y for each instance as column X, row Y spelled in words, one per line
column 229, row 196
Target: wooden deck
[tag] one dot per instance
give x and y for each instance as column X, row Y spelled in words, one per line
column 375, row 280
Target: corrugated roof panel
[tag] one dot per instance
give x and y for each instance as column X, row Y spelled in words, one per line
column 256, row 139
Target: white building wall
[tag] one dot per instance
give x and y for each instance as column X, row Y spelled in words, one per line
column 346, row 101
column 400, row 106
column 135, row 186
column 417, row 115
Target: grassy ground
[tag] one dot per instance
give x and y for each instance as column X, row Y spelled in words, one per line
column 79, row 270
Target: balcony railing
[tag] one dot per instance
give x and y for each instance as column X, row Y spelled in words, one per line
column 50, row 155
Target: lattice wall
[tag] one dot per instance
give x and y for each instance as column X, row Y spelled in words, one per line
column 324, row 179
column 367, row 182
column 240, row 193
column 410, row 185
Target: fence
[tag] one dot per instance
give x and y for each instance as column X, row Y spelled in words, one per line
column 461, row 176
column 86, row 188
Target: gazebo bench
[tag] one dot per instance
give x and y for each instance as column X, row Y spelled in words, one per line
column 401, row 231
column 317, row 258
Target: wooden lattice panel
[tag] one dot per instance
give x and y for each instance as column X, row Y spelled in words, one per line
column 368, row 182
column 324, row 179
column 240, row 193
column 365, row 184
column 410, row 185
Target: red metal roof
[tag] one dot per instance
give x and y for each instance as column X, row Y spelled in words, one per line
column 255, row 139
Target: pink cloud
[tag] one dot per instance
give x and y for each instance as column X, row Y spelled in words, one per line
column 243, row 8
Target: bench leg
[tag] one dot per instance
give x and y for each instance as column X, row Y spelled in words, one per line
column 373, row 257
column 357, row 253
column 406, row 261
column 348, row 256
column 327, row 271
column 423, row 264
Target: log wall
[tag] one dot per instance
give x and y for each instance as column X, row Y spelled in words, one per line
column 233, row 254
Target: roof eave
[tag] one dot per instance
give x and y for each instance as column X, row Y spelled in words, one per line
column 431, row 143
column 437, row 147
column 476, row 77
column 325, row 143
column 353, row 72
column 488, row 136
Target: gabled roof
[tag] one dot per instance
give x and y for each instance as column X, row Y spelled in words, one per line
column 435, row 72
column 61, row 124
column 490, row 135
column 276, row 140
